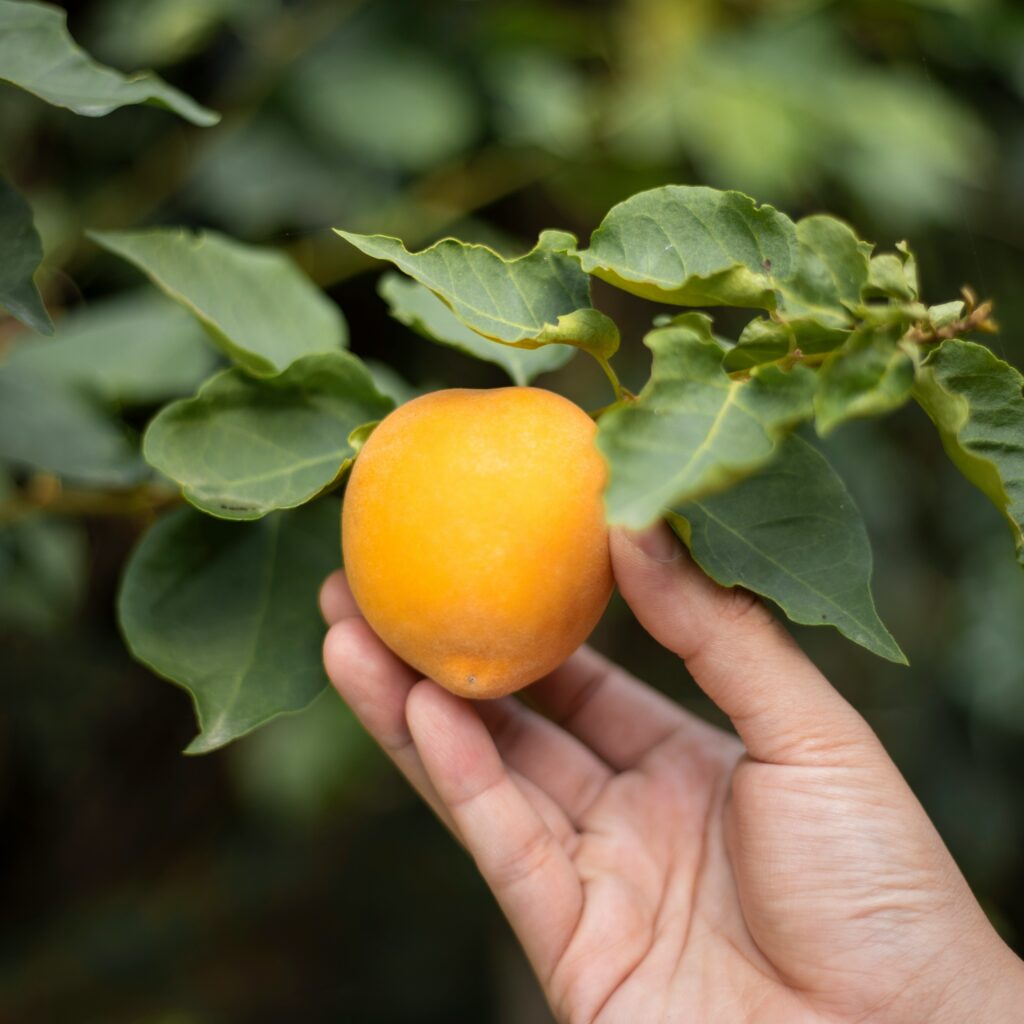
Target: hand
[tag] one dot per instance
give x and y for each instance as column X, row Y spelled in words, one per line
column 657, row 869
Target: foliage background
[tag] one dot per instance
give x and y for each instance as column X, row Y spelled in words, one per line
column 291, row 875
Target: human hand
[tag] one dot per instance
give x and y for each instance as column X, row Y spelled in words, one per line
column 657, row 869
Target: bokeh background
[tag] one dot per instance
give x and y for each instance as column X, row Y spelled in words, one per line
column 291, row 876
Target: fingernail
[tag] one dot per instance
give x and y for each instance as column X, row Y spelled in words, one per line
column 657, row 542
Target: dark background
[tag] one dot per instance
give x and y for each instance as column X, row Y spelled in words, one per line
column 291, row 876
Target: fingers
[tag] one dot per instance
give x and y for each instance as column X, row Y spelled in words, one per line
column 374, row 683
column 546, row 756
column 783, row 708
column 336, row 600
column 613, row 713
column 523, row 862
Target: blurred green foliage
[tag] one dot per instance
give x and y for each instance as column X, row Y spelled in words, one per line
column 291, row 876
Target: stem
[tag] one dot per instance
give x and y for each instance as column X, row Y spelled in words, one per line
column 621, row 394
column 787, row 361
column 45, row 493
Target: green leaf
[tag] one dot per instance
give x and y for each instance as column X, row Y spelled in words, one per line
column 419, row 308
column 390, row 104
column 245, row 446
column 765, row 341
column 793, row 534
column 21, row 252
column 945, row 313
column 47, row 427
column 694, row 430
column 42, row 572
column 870, row 375
column 254, row 302
column 300, row 767
column 894, row 275
column 388, row 381
column 540, row 298
column 38, row 55
column 693, row 246
column 137, row 348
column 229, row 612
column 161, row 32
column 829, row 275
column 543, row 101
column 977, row 403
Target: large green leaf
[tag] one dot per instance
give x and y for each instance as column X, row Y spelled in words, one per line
column 38, row 54
column 229, row 612
column 20, row 254
column 537, row 299
column 45, row 426
column 977, row 403
column 137, row 348
column 829, row 275
column 694, row 246
column 419, row 308
column 255, row 303
column 870, row 375
column 693, row 429
column 792, row 533
column 245, row 446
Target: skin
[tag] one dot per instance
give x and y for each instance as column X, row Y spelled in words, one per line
column 657, row 869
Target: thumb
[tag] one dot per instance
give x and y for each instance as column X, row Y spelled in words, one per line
column 739, row 654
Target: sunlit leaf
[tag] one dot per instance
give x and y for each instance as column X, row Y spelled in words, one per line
column 945, row 313
column 229, row 612
column 777, row 105
column 893, row 275
column 38, row 55
column 829, row 274
column 254, row 302
column 792, row 533
column 693, row 429
column 138, row 347
column 245, row 446
column 540, row 298
column 694, row 246
column 419, row 308
column 977, row 403
column 870, row 375
column 20, row 254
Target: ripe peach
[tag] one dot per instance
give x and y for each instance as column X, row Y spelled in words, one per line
column 474, row 536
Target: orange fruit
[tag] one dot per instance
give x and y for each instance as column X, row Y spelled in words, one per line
column 474, row 536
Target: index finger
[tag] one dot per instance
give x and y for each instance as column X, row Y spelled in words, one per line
column 620, row 718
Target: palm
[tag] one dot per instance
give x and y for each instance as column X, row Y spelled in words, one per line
column 654, row 842
column 654, row 868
